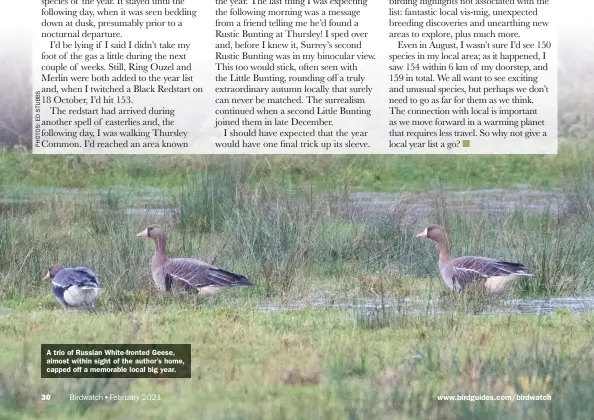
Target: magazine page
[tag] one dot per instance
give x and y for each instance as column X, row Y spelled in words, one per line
column 296, row 209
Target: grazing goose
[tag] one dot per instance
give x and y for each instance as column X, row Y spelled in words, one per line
column 76, row 287
column 185, row 273
column 458, row 272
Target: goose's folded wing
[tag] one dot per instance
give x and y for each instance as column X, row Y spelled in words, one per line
column 198, row 274
column 467, row 269
column 79, row 276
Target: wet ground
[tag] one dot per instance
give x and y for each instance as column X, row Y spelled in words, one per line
column 431, row 307
column 354, row 205
column 479, row 201
column 363, row 205
column 418, row 307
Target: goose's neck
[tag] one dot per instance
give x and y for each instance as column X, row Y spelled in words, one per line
column 160, row 248
column 444, row 251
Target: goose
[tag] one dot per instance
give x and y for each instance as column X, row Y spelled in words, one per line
column 185, row 273
column 76, row 287
column 459, row 272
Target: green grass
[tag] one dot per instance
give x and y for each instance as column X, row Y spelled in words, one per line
column 310, row 364
column 367, row 172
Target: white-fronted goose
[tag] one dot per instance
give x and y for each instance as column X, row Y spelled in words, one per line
column 76, row 287
column 185, row 273
column 458, row 272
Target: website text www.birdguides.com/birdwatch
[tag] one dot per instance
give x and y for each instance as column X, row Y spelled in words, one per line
column 115, row 361
column 295, row 77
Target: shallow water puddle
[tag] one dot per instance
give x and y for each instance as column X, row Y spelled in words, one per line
column 362, row 204
column 17, row 207
column 356, row 204
column 150, row 212
column 412, row 306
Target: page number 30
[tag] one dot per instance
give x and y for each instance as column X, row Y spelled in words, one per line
column 46, row 397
